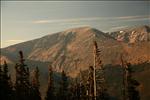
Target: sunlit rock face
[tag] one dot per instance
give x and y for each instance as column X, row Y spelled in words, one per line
column 132, row 35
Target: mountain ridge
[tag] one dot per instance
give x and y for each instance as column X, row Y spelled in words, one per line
column 133, row 34
column 63, row 48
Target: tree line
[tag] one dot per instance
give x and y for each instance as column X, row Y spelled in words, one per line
column 93, row 87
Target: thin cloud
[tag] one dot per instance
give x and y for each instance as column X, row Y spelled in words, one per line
column 66, row 20
column 78, row 20
column 14, row 41
column 118, row 27
column 129, row 17
column 134, row 17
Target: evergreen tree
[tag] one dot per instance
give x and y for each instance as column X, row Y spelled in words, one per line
column 1, row 83
column 83, row 86
column 100, row 91
column 35, row 93
column 6, row 86
column 72, row 90
column 75, row 91
column 22, row 84
column 132, row 84
column 78, row 88
column 63, row 91
column 90, row 84
column 50, row 91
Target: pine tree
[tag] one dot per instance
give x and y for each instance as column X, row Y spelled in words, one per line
column 75, row 90
column 99, row 82
column 6, row 86
column 90, row 84
column 78, row 88
column 0, row 73
column 72, row 91
column 22, row 84
column 35, row 93
column 50, row 91
column 63, row 91
column 83, row 86
column 130, row 85
column 1, row 82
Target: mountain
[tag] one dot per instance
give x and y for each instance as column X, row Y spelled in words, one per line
column 65, row 49
column 62, row 48
column 132, row 35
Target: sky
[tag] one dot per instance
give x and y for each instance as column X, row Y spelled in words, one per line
column 27, row 20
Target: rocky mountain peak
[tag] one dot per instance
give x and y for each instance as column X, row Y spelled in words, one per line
column 133, row 35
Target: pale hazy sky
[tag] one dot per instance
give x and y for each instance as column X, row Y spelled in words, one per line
column 26, row 20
